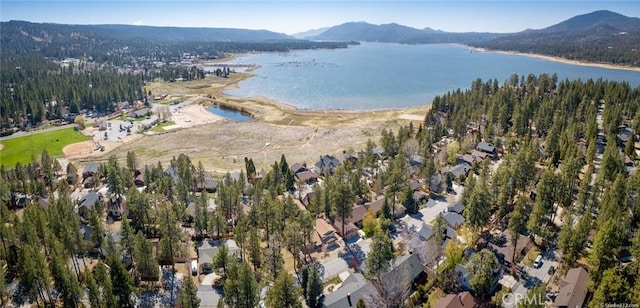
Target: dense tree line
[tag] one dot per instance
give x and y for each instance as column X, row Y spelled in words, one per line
column 561, row 148
column 614, row 49
column 36, row 90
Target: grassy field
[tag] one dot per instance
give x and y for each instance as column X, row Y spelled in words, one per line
column 21, row 149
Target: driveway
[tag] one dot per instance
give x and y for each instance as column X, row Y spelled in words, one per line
column 537, row 276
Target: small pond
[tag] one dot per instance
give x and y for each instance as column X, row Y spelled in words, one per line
column 230, row 114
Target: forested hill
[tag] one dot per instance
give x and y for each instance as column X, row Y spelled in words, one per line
column 49, row 31
column 600, row 36
column 395, row 33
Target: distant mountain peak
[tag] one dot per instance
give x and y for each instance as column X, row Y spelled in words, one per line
column 595, row 19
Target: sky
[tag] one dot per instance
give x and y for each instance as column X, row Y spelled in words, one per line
column 297, row 16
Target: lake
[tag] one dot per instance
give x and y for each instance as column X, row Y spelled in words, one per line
column 381, row 75
column 230, row 114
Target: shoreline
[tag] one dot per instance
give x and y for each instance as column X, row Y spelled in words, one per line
column 560, row 59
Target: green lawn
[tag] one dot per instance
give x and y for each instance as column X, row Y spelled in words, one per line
column 160, row 127
column 21, row 149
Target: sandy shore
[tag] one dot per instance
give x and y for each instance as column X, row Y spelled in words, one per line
column 563, row 60
column 194, row 114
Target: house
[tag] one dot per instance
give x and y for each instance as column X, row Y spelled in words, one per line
column 458, row 170
column 573, row 289
column 457, row 207
column 460, row 300
column 414, row 185
column 173, row 173
column 348, row 156
column 298, row 167
column 353, row 288
column 306, row 197
column 420, row 196
column 208, row 249
column 503, row 246
column 116, row 207
column 309, row 177
column 190, row 216
column 90, row 182
column 486, row 147
column 90, row 170
column 138, row 180
column 140, row 113
column 209, row 184
column 437, row 183
column 405, row 271
column 87, row 202
column 399, row 210
column 467, row 159
column 324, row 234
column 379, row 153
column 454, row 220
column 327, row 163
column 376, row 205
column 478, row 155
column 464, row 277
column 426, row 232
column 357, row 215
column 350, row 229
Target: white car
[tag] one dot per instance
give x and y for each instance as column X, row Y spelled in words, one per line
column 538, row 262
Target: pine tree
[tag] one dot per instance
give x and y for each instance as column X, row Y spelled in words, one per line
column 482, row 267
column 97, row 231
column 255, row 253
column 409, row 202
column 314, row 287
column 221, row 259
column 146, row 265
column 611, row 289
column 188, row 294
column 64, row 280
column 122, row 283
column 284, row 293
column 93, row 291
column 3, row 285
column 380, row 254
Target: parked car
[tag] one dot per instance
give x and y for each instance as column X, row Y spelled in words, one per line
column 537, row 262
column 551, row 270
column 207, row 268
column 194, row 267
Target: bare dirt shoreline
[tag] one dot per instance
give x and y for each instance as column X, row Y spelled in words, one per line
column 563, row 60
column 277, row 129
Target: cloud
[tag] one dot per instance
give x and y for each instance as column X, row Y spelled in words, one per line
column 138, row 23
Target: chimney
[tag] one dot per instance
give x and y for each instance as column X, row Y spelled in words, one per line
column 349, row 299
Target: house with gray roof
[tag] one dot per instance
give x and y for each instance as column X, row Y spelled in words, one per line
column 458, row 170
column 453, row 219
column 90, row 170
column 457, row 207
column 405, row 270
column 486, row 147
column 354, row 288
column 326, row 165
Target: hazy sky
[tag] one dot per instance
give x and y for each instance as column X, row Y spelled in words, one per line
column 297, row 16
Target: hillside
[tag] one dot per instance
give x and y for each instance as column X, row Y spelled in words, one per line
column 49, row 31
column 600, row 36
column 395, row 33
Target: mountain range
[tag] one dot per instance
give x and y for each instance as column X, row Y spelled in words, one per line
column 600, row 36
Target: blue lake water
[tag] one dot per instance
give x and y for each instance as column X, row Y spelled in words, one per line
column 230, row 114
column 380, row 75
